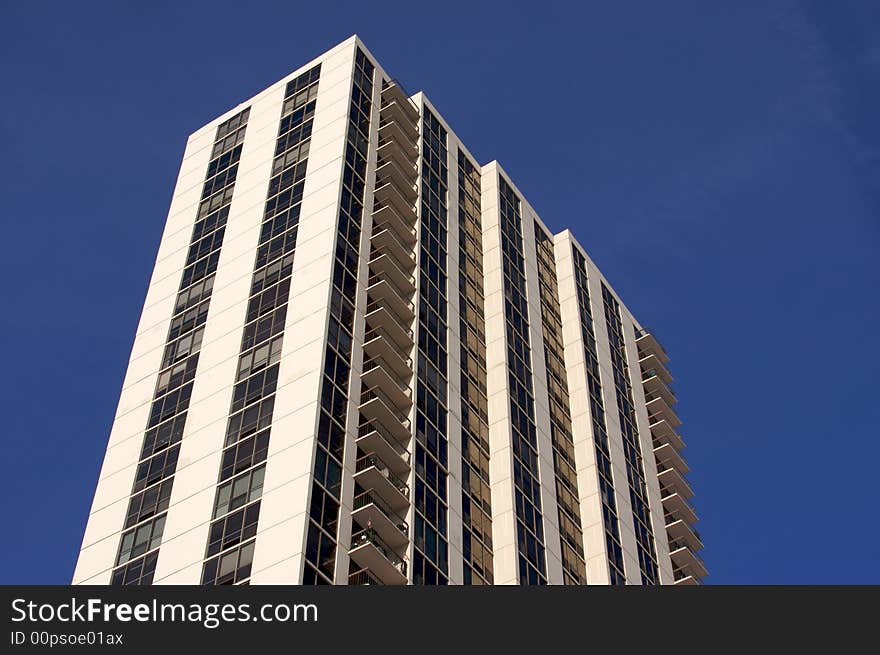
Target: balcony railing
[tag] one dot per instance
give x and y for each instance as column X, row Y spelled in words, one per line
column 387, row 241
column 369, row 536
column 403, row 224
column 651, row 362
column 686, row 561
column 371, row 459
column 389, row 195
column 680, row 531
column 659, row 410
column 378, row 345
column 384, row 265
column 376, row 395
column 393, row 91
column 647, row 343
column 684, row 578
column 663, row 432
column 677, row 544
column 400, row 109
column 372, row 437
column 378, row 373
column 666, row 454
column 674, row 504
column 673, row 481
column 391, row 127
column 388, row 170
column 401, row 299
column 363, row 578
column 381, row 313
column 655, row 386
column 371, row 498
column 406, row 156
column 403, row 135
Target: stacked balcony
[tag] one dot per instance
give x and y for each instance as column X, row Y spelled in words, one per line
column 675, row 492
column 381, row 502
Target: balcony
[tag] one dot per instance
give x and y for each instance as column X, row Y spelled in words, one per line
column 376, row 376
column 666, row 454
column 405, row 153
column 381, row 317
column 648, row 344
column 378, row 345
column 370, row 552
column 675, row 505
column 403, row 112
column 651, row 363
column 371, row 513
column 388, row 194
column 658, row 410
column 404, row 156
column 385, row 217
column 383, row 291
column 662, row 432
column 396, row 107
column 686, row 560
column 371, row 472
column 385, row 266
column 387, row 170
column 680, row 532
column 383, row 269
column 674, row 482
column 684, row 579
column 402, row 132
column 371, row 439
column 393, row 92
column 655, row 386
column 386, row 241
column 375, row 408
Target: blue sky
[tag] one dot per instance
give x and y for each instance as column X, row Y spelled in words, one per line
column 721, row 165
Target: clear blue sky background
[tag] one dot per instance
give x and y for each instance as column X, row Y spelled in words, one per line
column 720, row 165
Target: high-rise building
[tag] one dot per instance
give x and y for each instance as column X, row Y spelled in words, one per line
column 363, row 359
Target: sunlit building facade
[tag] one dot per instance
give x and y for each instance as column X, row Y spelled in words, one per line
column 364, row 359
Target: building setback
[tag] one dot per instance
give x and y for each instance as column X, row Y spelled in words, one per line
column 364, row 359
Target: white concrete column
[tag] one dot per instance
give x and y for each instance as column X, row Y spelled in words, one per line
column 505, row 566
column 589, row 495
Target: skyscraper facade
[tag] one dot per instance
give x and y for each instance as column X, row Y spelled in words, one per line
column 364, row 359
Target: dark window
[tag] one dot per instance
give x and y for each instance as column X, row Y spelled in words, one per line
column 141, row 539
column 239, row 491
column 156, row 468
column 233, row 529
column 136, row 572
column 147, row 503
column 229, row 568
column 244, row 454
